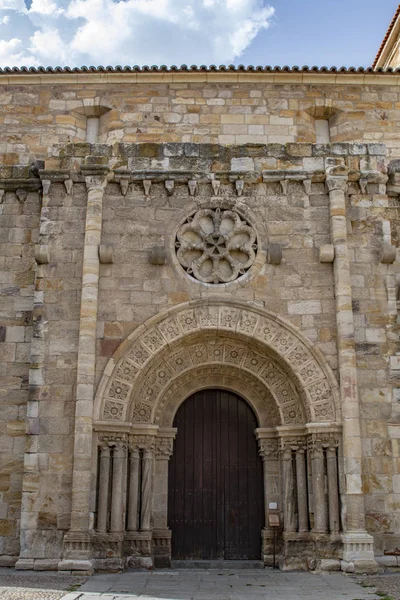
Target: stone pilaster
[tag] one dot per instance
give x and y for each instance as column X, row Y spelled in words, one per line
column 289, row 521
column 134, row 466
column 354, row 511
column 96, row 180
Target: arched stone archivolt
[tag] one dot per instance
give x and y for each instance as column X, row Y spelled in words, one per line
column 194, row 339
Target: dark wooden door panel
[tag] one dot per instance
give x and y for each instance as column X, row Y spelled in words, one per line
column 215, row 496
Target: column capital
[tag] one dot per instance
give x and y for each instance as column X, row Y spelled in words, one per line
column 142, row 442
column 95, row 177
column 268, row 448
column 336, row 182
column 164, row 447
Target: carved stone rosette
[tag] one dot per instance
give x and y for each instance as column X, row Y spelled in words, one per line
column 216, row 246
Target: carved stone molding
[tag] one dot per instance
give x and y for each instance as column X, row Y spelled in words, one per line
column 175, row 352
column 216, row 246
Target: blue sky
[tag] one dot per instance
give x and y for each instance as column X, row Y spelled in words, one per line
column 258, row 32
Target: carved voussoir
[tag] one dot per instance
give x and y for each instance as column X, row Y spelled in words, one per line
column 388, row 254
column 105, row 254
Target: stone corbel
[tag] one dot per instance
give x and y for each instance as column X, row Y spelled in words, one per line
column 239, row 184
column 124, row 184
column 388, row 254
column 21, row 194
column 147, row 186
column 46, row 183
column 68, row 184
column 376, row 177
column 158, row 255
column 105, row 254
column 169, row 186
column 284, row 186
column 42, row 254
column 326, row 253
column 216, row 184
column 2, row 196
column 274, row 254
column 307, row 186
column 192, row 185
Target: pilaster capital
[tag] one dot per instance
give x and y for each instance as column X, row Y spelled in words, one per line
column 95, row 177
column 268, row 448
column 164, row 447
column 336, row 183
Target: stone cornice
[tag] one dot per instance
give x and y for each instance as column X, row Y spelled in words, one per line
column 296, row 76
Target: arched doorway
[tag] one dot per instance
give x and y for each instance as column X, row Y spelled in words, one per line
column 215, row 491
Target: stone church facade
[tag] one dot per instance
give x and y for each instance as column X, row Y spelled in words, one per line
column 199, row 238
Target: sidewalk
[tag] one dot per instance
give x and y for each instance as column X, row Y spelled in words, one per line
column 182, row 585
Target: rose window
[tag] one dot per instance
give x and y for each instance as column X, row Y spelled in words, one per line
column 216, row 246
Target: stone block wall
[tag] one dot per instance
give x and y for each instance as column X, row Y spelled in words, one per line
column 279, row 187
column 19, row 219
column 192, row 107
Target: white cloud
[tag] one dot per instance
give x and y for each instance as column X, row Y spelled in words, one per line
column 45, row 7
column 134, row 31
column 4, row 20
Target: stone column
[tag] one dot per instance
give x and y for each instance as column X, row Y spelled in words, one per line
column 354, row 524
column 289, row 522
column 333, row 490
column 104, row 480
column 118, row 488
column 133, row 489
column 146, row 492
column 318, row 476
column 161, row 533
column 79, row 535
column 302, row 496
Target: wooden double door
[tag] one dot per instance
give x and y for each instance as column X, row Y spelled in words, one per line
column 215, row 490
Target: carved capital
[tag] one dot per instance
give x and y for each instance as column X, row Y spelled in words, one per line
column 292, row 443
column 336, row 182
column 268, row 448
column 164, row 447
column 319, row 441
column 96, row 181
column 142, row 442
column 113, row 439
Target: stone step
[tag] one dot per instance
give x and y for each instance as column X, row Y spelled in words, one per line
column 217, row 564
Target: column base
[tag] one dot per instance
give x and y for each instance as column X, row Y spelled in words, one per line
column 77, row 553
column 138, row 549
column 358, row 553
column 162, row 548
column 84, row 567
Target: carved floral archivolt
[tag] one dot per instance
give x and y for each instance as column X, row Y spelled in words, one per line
column 198, row 340
column 216, row 246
